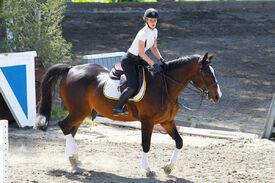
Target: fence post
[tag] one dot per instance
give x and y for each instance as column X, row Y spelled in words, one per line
column 3, row 151
column 269, row 124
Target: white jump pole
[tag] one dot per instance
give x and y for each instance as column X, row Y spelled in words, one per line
column 3, row 151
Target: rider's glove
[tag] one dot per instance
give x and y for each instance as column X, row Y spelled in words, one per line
column 163, row 63
column 162, row 60
column 156, row 68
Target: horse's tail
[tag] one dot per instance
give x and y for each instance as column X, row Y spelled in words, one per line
column 47, row 86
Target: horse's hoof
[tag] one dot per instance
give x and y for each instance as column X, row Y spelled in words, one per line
column 74, row 161
column 79, row 164
column 77, row 170
column 151, row 173
column 168, row 168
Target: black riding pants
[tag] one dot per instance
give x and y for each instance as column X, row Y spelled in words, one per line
column 130, row 65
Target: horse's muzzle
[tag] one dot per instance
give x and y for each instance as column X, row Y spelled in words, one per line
column 213, row 98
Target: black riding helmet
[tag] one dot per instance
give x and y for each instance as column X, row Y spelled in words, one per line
column 151, row 13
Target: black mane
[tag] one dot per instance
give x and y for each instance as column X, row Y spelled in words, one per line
column 179, row 62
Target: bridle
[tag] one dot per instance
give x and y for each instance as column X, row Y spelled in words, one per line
column 202, row 92
column 206, row 90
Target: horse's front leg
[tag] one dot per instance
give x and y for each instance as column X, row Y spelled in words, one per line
column 146, row 130
column 171, row 129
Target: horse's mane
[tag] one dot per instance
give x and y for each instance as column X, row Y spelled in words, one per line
column 179, row 62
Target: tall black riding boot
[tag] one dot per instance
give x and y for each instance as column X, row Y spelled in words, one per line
column 119, row 109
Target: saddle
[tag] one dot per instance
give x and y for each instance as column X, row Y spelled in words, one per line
column 117, row 73
column 117, row 83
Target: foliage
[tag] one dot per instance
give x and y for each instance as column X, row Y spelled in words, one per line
column 58, row 112
column 89, row 121
column 117, row 1
column 111, row 1
column 36, row 25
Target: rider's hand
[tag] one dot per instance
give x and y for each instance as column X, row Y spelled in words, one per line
column 163, row 63
column 162, row 60
column 156, row 68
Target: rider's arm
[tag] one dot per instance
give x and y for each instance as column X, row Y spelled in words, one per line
column 142, row 54
column 155, row 51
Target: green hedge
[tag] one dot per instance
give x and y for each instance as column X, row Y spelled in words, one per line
column 36, row 25
column 58, row 113
column 110, row 1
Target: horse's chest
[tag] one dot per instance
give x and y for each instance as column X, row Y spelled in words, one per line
column 174, row 110
column 170, row 112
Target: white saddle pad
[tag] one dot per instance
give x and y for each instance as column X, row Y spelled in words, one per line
column 111, row 91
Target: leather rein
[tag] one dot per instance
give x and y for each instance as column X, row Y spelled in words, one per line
column 202, row 92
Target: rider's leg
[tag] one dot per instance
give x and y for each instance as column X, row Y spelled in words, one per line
column 126, row 94
column 130, row 69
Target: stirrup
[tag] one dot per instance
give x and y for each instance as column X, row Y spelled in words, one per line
column 120, row 112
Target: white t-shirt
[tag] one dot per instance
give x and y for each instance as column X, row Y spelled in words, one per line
column 145, row 34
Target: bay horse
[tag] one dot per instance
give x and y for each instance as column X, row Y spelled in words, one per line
column 81, row 89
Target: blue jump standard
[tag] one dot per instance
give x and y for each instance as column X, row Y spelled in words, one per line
column 16, row 77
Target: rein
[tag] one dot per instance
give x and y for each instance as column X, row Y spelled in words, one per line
column 202, row 92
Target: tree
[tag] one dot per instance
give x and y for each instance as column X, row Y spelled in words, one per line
column 2, row 28
column 36, row 25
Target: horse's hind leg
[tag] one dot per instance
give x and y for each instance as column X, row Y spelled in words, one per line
column 171, row 129
column 69, row 128
column 74, row 160
column 74, row 130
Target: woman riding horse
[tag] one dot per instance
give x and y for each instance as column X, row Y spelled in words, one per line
column 81, row 90
column 146, row 38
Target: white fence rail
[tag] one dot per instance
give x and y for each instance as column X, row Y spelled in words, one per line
column 3, row 151
column 105, row 59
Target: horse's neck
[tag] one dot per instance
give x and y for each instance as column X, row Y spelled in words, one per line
column 181, row 76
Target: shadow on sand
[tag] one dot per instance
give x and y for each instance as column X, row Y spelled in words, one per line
column 97, row 177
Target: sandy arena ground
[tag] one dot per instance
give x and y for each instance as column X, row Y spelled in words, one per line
column 112, row 154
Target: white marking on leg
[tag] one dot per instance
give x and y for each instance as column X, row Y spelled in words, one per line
column 144, row 161
column 71, row 146
column 40, row 121
column 175, row 156
column 169, row 167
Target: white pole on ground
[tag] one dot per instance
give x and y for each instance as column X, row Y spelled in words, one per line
column 186, row 130
column 3, row 151
column 270, row 120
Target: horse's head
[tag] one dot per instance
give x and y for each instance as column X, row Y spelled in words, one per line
column 205, row 79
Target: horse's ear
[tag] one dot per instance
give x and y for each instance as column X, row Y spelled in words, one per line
column 210, row 57
column 204, row 59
